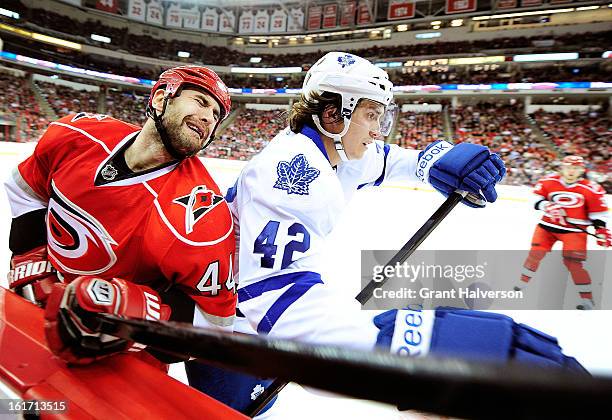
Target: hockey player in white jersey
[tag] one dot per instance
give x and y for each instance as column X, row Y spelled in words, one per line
column 288, row 199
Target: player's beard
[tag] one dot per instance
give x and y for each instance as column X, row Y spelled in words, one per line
column 182, row 138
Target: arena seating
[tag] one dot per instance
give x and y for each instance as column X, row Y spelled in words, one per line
column 65, row 100
column 126, row 106
column 18, row 103
column 415, row 130
column 250, row 131
column 585, row 133
column 503, row 129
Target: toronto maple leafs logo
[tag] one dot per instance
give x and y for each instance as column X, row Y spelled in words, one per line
column 197, row 203
column 346, row 60
column 295, row 176
column 257, row 391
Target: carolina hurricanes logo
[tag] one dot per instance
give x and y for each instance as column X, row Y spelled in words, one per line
column 77, row 241
column 197, row 203
column 567, row 199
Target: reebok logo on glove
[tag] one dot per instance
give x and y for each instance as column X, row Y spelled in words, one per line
column 413, row 330
column 429, row 157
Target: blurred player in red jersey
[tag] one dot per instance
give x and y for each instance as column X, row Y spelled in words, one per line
column 570, row 203
column 111, row 217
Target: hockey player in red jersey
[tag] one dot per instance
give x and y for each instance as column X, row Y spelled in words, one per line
column 111, row 217
column 570, row 203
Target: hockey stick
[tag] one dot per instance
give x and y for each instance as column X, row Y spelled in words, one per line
column 402, row 255
column 413, row 243
column 449, row 387
column 583, row 230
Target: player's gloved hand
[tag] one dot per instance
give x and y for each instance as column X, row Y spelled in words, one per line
column 604, row 238
column 465, row 166
column 32, row 269
column 555, row 212
column 71, row 326
column 467, row 334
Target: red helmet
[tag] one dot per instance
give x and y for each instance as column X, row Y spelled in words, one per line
column 573, row 160
column 174, row 79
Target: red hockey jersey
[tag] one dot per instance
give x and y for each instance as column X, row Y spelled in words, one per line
column 162, row 227
column 582, row 201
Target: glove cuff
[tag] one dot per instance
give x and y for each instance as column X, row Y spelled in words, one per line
column 413, row 332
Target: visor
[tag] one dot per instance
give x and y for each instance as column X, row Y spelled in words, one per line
column 386, row 120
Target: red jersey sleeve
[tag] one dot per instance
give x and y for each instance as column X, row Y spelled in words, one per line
column 540, row 188
column 597, row 208
column 206, row 275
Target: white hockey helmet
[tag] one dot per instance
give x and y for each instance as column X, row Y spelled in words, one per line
column 353, row 78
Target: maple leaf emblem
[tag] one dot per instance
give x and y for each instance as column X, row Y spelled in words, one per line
column 295, row 176
column 346, row 60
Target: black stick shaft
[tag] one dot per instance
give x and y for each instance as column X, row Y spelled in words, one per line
column 413, row 243
column 449, row 387
column 262, row 400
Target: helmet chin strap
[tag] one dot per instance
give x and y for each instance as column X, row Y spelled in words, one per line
column 163, row 133
column 337, row 138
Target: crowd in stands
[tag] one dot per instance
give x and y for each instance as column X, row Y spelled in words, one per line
column 144, row 44
column 584, row 133
column 415, row 130
column 247, row 134
column 504, row 129
column 126, row 106
column 66, row 100
column 19, row 107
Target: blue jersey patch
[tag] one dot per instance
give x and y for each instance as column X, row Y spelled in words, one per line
column 295, row 176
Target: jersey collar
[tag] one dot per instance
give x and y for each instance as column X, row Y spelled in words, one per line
column 314, row 135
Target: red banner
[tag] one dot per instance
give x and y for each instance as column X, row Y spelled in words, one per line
column 506, row 4
column 526, row 3
column 314, row 17
column 400, row 9
column 330, row 15
column 363, row 14
column 460, row 6
column 110, row 6
column 347, row 13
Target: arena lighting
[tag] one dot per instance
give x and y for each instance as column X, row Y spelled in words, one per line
column 255, row 60
column 607, row 54
column 266, row 70
column 101, row 38
column 435, row 27
column 535, row 12
column 476, row 60
column 56, row 41
column 456, row 22
column 183, row 54
column 9, row 13
column 402, row 28
column 582, row 8
column 435, row 23
column 428, row 35
column 40, row 37
column 545, row 57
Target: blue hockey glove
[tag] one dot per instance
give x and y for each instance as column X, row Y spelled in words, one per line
column 466, row 167
column 467, row 334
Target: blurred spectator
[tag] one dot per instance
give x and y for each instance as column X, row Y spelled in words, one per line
column 504, row 130
column 18, row 103
column 246, row 135
column 66, row 100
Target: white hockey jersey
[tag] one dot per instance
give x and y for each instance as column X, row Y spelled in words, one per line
column 286, row 201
